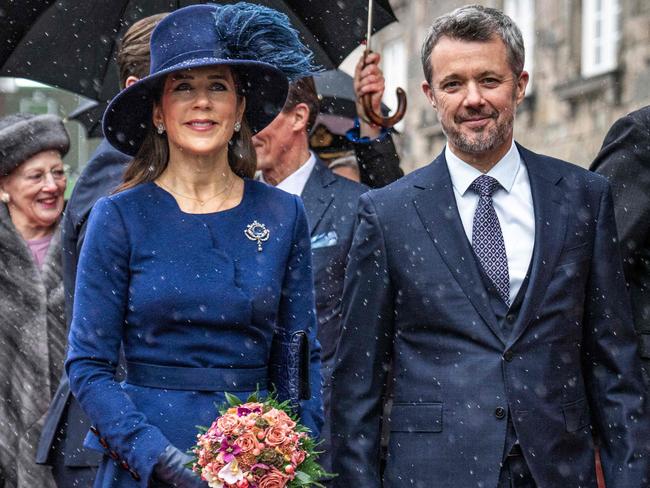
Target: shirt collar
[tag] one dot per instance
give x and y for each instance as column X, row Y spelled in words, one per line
column 296, row 181
column 462, row 174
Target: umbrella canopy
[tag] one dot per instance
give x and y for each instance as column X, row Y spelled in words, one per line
column 89, row 114
column 71, row 43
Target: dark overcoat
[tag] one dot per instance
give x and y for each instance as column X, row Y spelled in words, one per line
column 624, row 160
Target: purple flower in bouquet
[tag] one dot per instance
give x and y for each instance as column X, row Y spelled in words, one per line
column 229, row 450
column 243, row 411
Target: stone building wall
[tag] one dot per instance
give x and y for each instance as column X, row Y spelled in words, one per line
column 566, row 115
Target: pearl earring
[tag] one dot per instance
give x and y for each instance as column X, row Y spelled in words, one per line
column 5, row 197
column 160, row 129
column 237, row 126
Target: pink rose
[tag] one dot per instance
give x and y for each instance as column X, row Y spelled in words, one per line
column 271, row 416
column 275, row 436
column 285, row 424
column 273, row 479
column 283, row 418
column 247, row 442
column 227, row 423
column 298, row 456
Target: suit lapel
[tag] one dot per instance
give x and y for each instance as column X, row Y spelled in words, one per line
column 436, row 207
column 317, row 196
column 550, row 231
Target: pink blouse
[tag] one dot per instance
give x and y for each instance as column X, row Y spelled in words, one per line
column 39, row 249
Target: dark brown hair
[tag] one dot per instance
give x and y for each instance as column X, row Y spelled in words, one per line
column 133, row 53
column 303, row 91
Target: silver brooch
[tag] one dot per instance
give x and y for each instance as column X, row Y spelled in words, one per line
column 257, row 232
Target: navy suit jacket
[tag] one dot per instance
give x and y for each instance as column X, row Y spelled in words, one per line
column 102, row 175
column 330, row 203
column 414, row 304
column 625, row 160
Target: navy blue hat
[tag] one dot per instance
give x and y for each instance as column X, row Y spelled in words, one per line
column 257, row 42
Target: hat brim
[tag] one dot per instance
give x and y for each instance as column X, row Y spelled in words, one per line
column 128, row 117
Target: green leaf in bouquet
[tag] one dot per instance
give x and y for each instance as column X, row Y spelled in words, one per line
column 309, row 444
column 303, row 479
column 255, row 396
column 309, row 472
column 232, row 400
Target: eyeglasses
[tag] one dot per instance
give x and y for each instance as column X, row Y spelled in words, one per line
column 39, row 177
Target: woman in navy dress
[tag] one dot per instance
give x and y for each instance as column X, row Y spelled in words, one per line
column 191, row 268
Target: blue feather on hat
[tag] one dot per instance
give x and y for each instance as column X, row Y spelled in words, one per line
column 262, row 34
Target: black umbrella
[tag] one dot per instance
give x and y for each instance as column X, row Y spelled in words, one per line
column 89, row 114
column 71, row 43
column 16, row 18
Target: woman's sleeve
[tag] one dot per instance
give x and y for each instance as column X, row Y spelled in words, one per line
column 298, row 312
column 100, row 305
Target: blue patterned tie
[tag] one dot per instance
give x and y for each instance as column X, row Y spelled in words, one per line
column 487, row 239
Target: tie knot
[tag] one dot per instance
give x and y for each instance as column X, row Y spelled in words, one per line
column 485, row 185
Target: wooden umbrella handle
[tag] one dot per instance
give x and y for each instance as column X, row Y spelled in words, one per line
column 380, row 120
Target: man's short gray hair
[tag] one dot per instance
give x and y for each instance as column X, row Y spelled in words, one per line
column 475, row 23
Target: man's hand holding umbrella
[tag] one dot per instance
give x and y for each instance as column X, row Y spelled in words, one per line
column 369, row 79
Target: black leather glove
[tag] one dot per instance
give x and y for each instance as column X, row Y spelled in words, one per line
column 171, row 470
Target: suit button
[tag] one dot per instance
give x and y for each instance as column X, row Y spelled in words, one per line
column 510, row 318
column 500, row 412
column 508, row 355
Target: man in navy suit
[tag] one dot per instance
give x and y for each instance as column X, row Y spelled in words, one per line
column 66, row 425
column 487, row 289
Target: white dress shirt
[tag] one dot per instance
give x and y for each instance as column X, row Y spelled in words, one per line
column 513, row 204
column 296, row 181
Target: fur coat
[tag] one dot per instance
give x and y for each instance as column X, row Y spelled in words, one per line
column 32, row 348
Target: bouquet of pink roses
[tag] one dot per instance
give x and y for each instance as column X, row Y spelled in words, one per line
column 257, row 444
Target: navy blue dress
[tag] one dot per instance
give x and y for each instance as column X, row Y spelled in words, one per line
column 180, row 291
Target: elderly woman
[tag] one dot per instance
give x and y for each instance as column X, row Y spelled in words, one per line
column 199, row 273
column 32, row 327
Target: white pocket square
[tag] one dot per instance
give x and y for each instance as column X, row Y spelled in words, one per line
column 325, row 239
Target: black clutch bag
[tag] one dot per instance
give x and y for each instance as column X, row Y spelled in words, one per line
column 289, row 367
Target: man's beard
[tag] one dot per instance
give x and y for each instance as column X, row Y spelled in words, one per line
column 482, row 140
